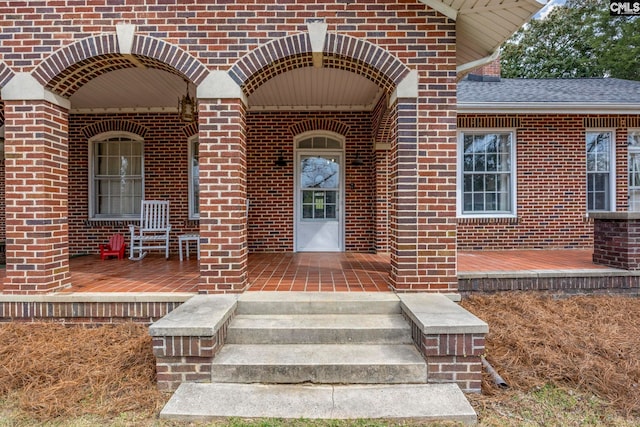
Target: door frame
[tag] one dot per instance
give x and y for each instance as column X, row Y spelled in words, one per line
column 297, row 202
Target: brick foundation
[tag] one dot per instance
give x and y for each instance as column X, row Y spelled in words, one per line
column 86, row 309
column 570, row 283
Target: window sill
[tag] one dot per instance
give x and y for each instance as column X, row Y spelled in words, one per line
column 488, row 220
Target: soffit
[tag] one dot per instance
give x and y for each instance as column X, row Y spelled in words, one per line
column 483, row 25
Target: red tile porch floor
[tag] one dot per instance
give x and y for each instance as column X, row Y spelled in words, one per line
column 327, row 272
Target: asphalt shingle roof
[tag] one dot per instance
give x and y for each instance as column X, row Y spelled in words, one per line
column 582, row 91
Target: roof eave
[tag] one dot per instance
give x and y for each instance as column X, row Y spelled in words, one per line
column 546, row 108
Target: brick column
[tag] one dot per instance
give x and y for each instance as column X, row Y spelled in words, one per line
column 36, row 188
column 423, row 164
column 403, row 236
column 223, row 187
column 616, row 239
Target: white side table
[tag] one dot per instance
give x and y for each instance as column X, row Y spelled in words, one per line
column 186, row 238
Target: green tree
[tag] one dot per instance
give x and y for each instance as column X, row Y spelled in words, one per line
column 577, row 39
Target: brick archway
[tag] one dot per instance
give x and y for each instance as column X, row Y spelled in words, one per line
column 339, row 52
column 66, row 70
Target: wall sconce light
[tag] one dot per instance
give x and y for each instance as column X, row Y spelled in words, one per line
column 187, row 108
column 357, row 161
column 281, row 161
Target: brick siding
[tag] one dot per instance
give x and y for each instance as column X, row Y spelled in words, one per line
column 551, row 184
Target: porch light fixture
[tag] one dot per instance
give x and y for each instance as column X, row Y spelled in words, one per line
column 281, row 161
column 357, row 161
column 187, row 107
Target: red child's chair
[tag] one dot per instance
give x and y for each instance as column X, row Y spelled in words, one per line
column 115, row 247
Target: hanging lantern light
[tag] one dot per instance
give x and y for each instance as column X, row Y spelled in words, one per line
column 187, row 107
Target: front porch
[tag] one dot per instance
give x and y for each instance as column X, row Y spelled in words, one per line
column 144, row 291
column 321, row 272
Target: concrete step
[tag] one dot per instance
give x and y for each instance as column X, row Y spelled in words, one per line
column 424, row 402
column 320, row 364
column 319, row 329
column 318, row 303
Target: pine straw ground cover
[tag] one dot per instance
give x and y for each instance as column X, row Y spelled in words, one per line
column 559, row 355
column 579, row 348
column 51, row 371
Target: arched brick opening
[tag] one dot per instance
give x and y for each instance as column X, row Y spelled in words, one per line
column 340, row 52
column 320, row 124
column 66, row 70
column 114, row 126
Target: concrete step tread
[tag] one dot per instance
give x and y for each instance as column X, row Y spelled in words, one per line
column 318, row 354
column 425, row 402
column 319, row 321
column 318, row 302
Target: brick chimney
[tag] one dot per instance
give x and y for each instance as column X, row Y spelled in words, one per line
column 487, row 73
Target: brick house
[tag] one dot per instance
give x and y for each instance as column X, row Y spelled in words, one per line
column 319, row 127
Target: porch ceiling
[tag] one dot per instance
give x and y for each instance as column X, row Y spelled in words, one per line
column 147, row 89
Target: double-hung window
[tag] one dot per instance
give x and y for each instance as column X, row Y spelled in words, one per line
column 486, row 173
column 633, row 140
column 194, row 179
column 116, row 168
column 600, row 169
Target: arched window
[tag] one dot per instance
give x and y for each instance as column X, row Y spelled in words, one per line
column 117, row 176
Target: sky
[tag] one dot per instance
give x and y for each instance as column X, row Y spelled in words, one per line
column 548, row 8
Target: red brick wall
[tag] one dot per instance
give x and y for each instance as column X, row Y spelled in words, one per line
column 218, row 33
column 551, row 185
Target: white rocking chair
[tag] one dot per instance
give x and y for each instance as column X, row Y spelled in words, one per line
column 153, row 231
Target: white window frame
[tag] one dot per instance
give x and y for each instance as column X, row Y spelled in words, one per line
column 512, row 213
column 92, row 191
column 631, row 150
column 192, row 202
column 612, row 170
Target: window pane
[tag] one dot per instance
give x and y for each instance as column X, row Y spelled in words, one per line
column 486, row 168
column 305, row 143
column 117, row 180
column 634, row 170
column 598, row 146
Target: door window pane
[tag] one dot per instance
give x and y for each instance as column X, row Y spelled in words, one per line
column 319, row 204
column 319, row 172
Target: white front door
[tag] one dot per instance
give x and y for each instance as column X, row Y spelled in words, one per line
column 319, row 223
